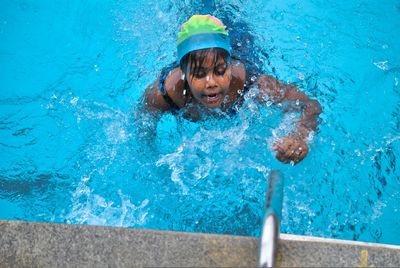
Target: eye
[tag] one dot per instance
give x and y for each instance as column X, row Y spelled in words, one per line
column 200, row 74
column 220, row 70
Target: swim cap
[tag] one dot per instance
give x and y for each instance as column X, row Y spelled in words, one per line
column 200, row 32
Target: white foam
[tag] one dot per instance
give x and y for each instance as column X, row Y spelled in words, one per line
column 175, row 164
column 383, row 65
column 89, row 208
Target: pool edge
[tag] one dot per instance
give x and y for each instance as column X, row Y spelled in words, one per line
column 34, row 244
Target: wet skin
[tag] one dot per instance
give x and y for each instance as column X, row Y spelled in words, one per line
column 211, row 84
column 217, row 86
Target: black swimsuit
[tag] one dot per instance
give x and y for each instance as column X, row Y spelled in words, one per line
column 164, row 73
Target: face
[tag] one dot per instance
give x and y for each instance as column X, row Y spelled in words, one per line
column 210, row 84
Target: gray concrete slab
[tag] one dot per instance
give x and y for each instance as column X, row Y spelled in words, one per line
column 28, row 244
column 303, row 251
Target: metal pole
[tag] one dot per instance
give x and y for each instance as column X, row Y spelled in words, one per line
column 272, row 219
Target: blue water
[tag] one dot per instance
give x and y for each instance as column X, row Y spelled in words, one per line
column 72, row 73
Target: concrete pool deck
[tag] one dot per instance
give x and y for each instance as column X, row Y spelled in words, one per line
column 29, row 244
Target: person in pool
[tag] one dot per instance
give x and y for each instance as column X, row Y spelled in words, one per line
column 207, row 78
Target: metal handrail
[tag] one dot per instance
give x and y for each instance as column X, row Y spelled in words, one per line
column 272, row 219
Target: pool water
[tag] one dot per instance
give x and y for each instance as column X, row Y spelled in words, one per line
column 72, row 74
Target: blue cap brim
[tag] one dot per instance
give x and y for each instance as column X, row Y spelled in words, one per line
column 203, row 41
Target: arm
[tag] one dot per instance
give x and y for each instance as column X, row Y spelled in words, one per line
column 149, row 111
column 173, row 87
column 293, row 147
column 153, row 99
column 154, row 102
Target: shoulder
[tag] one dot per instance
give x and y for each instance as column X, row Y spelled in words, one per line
column 175, row 86
column 238, row 78
column 238, row 69
column 168, row 95
column 154, row 99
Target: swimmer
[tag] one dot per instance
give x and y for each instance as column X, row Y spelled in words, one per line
column 206, row 77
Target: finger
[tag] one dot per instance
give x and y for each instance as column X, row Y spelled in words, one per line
column 300, row 155
column 292, row 145
column 293, row 154
column 281, row 157
column 303, row 155
column 278, row 146
column 295, row 157
column 299, row 152
column 290, row 151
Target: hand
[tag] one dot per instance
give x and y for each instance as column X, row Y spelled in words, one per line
column 290, row 148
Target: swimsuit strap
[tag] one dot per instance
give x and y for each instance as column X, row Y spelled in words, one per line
column 161, row 85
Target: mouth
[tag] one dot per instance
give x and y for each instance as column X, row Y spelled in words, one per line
column 213, row 98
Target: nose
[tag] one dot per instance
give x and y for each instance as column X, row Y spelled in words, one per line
column 210, row 81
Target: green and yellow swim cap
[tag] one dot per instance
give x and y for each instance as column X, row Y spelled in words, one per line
column 201, row 32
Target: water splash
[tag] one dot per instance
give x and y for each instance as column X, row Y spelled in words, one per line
column 383, row 65
column 173, row 161
column 95, row 209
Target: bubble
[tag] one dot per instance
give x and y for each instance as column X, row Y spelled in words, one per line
column 74, row 101
column 383, row 65
column 376, row 233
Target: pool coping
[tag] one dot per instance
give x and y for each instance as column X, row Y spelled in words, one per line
column 34, row 244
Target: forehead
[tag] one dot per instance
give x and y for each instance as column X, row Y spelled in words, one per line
column 209, row 60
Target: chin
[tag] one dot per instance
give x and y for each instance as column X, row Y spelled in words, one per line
column 213, row 105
